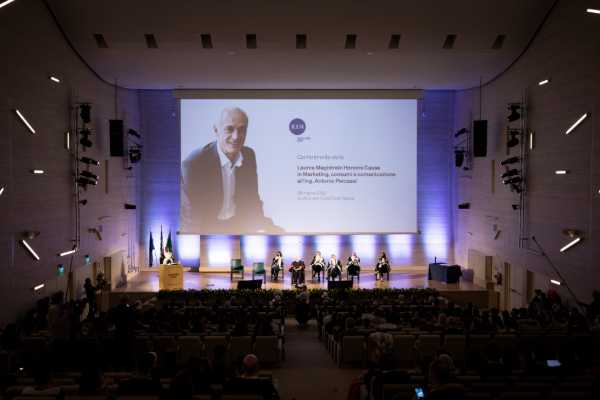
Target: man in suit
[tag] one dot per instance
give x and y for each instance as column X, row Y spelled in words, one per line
column 219, row 183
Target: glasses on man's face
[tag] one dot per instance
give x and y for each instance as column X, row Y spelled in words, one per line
column 230, row 129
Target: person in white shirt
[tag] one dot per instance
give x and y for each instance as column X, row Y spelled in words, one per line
column 276, row 265
column 353, row 267
column 334, row 268
column 317, row 266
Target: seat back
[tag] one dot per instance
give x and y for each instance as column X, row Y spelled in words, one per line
column 404, row 350
column 239, row 346
column 267, row 349
column 188, row 347
column 352, row 349
column 258, row 267
column 236, row 263
column 211, row 342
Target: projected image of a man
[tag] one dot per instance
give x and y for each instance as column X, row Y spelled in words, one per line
column 219, row 182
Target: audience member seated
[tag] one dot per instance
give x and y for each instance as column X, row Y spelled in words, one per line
column 192, row 380
column 43, row 385
column 144, row 381
column 353, row 267
column 317, row 266
column 443, row 384
column 250, row 382
column 334, row 268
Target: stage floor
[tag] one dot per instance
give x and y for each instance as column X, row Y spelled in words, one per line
column 400, row 278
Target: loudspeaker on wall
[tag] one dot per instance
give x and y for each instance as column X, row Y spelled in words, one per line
column 480, row 138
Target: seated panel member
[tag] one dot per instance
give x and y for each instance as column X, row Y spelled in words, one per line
column 317, row 265
column 276, row 265
column 382, row 267
column 353, row 265
column 334, row 268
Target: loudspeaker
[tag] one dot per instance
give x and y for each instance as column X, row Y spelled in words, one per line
column 339, row 284
column 250, row 284
column 480, row 138
column 464, row 206
column 117, row 140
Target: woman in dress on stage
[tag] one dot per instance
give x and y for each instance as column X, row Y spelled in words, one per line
column 276, row 265
column 353, row 267
column 317, row 265
column 334, row 268
column 382, row 267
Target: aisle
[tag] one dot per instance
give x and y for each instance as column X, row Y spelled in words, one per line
column 308, row 373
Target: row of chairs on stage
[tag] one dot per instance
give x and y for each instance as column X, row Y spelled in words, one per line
column 298, row 272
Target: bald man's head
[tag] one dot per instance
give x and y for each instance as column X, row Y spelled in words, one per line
column 231, row 131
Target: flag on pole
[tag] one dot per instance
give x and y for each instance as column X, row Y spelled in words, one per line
column 169, row 245
column 151, row 251
column 162, row 248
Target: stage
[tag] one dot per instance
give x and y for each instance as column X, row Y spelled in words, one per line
column 147, row 282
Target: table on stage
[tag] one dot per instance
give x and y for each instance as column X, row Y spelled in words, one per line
column 170, row 277
column 444, row 272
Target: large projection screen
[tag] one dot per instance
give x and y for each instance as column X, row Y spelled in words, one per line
column 285, row 165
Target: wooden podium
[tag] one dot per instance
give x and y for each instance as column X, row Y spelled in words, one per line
column 170, row 277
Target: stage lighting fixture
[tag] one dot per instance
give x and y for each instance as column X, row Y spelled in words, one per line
column 575, row 235
column 589, row 10
column 555, row 282
column 85, row 112
column 89, row 175
column 510, row 160
column 461, row 131
column 38, row 287
column 89, row 161
column 514, row 112
column 513, row 180
column 60, row 270
column 85, row 138
column 30, row 249
column 133, row 132
column 464, row 206
column 459, row 157
column 83, row 202
column 7, row 2
column 513, row 138
column 130, row 206
column 135, row 155
column 544, row 82
column 515, row 207
column 24, row 120
column 510, row 172
column 576, row 124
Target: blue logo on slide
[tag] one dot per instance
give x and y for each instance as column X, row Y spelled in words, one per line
column 297, row 126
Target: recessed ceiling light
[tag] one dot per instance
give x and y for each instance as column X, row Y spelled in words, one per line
column 68, row 252
column 24, row 120
column 580, row 120
column 38, row 287
column 1, row 190
column 37, row 171
column 545, row 81
column 555, row 282
column 30, row 249
column 561, row 172
column 590, row 10
column 54, row 79
column 570, row 244
column 531, row 137
column 5, row 3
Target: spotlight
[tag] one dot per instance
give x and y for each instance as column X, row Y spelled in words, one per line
column 461, row 131
column 30, row 249
column 464, row 206
column 89, row 161
column 580, row 120
column 510, row 160
column 83, row 202
column 85, row 112
column 513, row 180
column 459, row 157
column 38, row 287
column 135, row 155
column 514, row 112
column 24, row 120
column 516, row 207
column 133, row 132
column 68, row 140
column 513, row 140
column 85, row 137
column 575, row 235
column 510, row 172
column 89, row 175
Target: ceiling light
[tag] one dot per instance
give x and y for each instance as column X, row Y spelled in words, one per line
column 89, row 161
column 54, row 79
column 37, row 171
column 561, row 172
column 570, row 244
column 7, row 2
column 545, row 81
column 68, row 252
column 30, row 249
column 531, row 134
column 1, row 190
column 580, row 120
column 25, row 121
column 590, row 10
column 514, row 112
column 68, row 140
column 510, row 160
column 38, row 287
column 555, row 282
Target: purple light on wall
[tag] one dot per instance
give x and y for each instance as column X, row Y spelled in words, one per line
column 364, row 246
column 219, row 251
column 254, row 248
column 400, row 248
column 328, row 245
column 188, row 250
column 291, row 247
column 435, row 240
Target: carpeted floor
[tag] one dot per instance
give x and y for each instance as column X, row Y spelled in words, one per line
column 308, row 372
